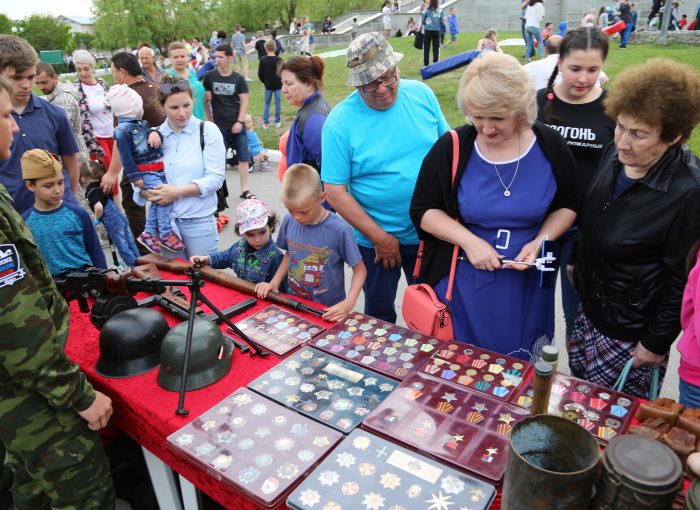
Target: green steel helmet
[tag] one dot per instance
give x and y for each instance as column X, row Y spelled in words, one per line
column 130, row 342
column 210, row 356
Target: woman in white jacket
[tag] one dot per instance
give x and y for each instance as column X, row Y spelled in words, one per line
column 534, row 14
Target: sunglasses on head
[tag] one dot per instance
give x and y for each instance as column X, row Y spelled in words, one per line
column 178, row 86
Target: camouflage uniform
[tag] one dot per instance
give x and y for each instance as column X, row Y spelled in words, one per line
column 58, row 462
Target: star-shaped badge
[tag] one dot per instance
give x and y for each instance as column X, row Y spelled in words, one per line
column 479, row 407
column 449, row 397
column 506, row 418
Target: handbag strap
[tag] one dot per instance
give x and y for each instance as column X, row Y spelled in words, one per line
column 622, row 379
column 419, row 257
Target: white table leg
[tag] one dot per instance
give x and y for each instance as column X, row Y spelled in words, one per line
column 190, row 494
column 163, row 480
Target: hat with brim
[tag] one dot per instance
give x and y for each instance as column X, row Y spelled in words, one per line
column 368, row 57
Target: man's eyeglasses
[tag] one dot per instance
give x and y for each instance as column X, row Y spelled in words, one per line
column 178, row 86
column 374, row 85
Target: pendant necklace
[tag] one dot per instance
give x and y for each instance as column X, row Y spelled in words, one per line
column 506, row 189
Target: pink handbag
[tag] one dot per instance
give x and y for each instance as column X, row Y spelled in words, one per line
column 421, row 308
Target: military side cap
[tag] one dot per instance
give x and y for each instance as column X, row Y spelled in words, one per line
column 40, row 164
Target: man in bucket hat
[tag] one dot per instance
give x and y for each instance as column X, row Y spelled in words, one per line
column 373, row 144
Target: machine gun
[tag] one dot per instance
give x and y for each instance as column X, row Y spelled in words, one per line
column 226, row 280
column 113, row 293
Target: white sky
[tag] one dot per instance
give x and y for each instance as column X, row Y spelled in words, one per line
column 19, row 9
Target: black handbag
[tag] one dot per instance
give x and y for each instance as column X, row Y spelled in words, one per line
column 418, row 42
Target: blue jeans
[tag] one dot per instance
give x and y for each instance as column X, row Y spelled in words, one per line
column 266, row 110
column 117, row 227
column 625, row 37
column 381, row 284
column 689, row 394
column 199, row 235
column 157, row 216
column 238, row 142
column 532, row 34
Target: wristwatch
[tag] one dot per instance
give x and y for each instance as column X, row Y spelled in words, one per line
column 242, row 123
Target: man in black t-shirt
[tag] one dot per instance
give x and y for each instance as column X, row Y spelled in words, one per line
column 228, row 93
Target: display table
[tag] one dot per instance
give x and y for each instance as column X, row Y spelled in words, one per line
column 146, row 412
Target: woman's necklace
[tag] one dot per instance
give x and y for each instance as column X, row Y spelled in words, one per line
column 506, row 189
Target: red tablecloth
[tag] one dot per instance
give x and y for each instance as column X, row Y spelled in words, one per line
column 146, row 412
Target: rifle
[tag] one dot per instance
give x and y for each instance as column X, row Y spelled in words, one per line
column 164, row 301
column 175, row 297
column 174, row 301
column 226, row 280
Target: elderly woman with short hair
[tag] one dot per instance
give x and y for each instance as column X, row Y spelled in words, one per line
column 97, row 118
column 640, row 215
column 513, row 188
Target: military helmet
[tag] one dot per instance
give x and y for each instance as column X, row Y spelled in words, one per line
column 130, row 342
column 210, row 356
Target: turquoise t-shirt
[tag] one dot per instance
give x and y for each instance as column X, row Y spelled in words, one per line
column 378, row 153
column 197, row 93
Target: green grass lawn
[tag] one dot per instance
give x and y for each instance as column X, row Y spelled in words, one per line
column 445, row 86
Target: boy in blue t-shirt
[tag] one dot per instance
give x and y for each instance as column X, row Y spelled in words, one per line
column 255, row 149
column 63, row 231
column 317, row 243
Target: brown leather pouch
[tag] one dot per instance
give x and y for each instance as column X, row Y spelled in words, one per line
column 680, row 441
column 665, row 408
column 690, row 420
column 652, row 428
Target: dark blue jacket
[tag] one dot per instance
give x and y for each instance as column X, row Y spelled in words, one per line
column 255, row 266
column 304, row 142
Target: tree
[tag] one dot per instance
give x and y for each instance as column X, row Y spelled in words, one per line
column 5, row 24
column 128, row 23
column 45, row 33
column 84, row 40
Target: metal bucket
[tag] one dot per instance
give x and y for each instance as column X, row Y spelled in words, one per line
column 692, row 497
column 638, row 474
column 552, row 463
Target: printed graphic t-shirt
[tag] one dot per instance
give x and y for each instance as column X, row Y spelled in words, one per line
column 585, row 127
column 226, row 99
column 316, row 256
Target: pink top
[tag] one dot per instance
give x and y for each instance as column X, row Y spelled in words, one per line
column 488, row 45
column 689, row 345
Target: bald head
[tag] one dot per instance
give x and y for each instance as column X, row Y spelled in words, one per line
column 553, row 44
column 146, row 58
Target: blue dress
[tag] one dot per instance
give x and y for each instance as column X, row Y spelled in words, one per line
column 505, row 310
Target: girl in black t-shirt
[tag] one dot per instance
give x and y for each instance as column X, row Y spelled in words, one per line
column 573, row 106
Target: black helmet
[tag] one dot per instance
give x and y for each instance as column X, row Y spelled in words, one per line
column 210, row 356
column 130, row 342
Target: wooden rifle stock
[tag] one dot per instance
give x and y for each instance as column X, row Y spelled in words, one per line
column 225, row 280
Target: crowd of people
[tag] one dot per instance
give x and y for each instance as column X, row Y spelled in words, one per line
column 564, row 160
